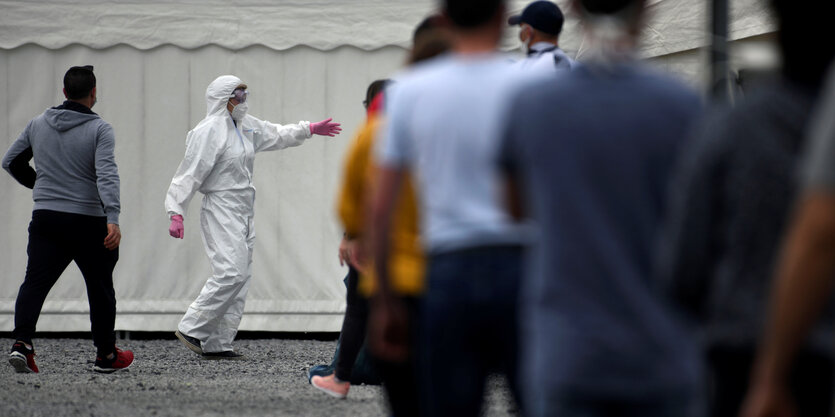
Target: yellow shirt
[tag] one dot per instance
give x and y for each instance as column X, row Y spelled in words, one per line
column 407, row 264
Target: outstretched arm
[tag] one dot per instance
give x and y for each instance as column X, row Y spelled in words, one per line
column 272, row 137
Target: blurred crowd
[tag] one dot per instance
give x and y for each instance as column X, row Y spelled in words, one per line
column 612, row 241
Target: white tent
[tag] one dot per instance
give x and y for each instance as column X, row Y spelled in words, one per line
column 302, row 60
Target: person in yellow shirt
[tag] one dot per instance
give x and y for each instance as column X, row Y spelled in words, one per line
column 407, row 265
column 394, row 302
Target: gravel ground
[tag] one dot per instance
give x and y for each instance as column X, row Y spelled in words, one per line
column 168, row 380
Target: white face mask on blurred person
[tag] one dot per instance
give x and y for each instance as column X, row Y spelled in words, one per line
column 239, row 111
column 526, row 36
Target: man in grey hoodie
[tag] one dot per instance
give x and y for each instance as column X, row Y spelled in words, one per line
column 75, row 218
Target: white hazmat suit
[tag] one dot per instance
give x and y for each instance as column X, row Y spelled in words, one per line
column 219, row 162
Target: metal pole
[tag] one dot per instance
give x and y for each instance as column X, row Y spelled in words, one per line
column 720, row 87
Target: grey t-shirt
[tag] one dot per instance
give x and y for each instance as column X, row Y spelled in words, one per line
column 442, row 125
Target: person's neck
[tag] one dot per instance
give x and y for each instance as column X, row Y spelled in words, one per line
column 539, row 39
column 474, row 42
column 539, row 45
column 624, row 45
column 86, row 102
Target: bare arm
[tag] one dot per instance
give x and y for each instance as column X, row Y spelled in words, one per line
column 802, row 288
column 387, row 321
column 513, row 197
column 382, row 208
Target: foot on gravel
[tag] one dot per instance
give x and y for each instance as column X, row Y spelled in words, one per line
column 227, row 355
column 331, row 385
column 190, row 342
column 120, row 359
column 22, row 358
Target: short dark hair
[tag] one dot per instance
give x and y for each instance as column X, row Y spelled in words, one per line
column 429, row 24
column 374, row 88
column 472, row 13
column 428, row 46
column 79, row 82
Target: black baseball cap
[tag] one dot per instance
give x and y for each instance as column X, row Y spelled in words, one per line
column 543, row 16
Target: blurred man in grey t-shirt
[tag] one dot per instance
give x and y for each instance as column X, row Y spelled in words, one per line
column 441, row 128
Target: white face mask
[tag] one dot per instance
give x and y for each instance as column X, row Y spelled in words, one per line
column 239, row 111
column 527, row 42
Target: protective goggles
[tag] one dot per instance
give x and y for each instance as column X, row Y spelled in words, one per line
column 240, row 94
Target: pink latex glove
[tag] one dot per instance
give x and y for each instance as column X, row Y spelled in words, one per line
column 176, row 229
column 325, row 128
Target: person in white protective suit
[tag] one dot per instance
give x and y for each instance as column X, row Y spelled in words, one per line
column 220, row 152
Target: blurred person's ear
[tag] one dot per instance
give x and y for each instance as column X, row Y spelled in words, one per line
column 525, row 32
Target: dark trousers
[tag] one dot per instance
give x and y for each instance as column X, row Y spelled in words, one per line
column 354, row 326
column 55, row 240
column 810, row 382
column 468, row 327
column 580, row 406
column 400, row 378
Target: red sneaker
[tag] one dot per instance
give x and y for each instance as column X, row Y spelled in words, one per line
column 23, row 359
column 121, row 360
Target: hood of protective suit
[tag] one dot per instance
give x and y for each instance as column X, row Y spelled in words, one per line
column 218, row 93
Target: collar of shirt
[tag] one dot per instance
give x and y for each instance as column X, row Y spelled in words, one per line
column 541, row 47
column 74, row 106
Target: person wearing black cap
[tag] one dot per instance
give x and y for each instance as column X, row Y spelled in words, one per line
column 540, row 25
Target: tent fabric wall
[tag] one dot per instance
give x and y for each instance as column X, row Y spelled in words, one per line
column 278, row 25
column 303, row 60
column 673, row 25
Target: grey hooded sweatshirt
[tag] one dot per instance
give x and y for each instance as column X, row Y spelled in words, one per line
column 75, row 167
